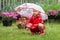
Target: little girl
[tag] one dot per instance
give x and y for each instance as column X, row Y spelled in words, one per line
column 19, row 20
column 35, row 23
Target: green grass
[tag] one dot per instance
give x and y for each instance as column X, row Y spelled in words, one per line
column 52, row 32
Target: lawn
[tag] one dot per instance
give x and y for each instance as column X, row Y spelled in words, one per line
column 52, row 32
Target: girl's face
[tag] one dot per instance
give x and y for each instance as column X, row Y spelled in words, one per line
column 35, row 12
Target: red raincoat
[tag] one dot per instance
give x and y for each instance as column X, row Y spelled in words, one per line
column 34, row 20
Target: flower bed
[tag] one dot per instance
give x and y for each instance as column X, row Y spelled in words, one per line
column 7, row 18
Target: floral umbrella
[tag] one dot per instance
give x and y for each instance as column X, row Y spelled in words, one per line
column 26, row 10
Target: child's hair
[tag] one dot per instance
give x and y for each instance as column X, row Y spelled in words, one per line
column 18, row 16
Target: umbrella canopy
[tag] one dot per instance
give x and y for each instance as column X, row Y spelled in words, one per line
column 26, row 10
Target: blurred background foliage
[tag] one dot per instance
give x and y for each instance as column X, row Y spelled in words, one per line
column 8, row 5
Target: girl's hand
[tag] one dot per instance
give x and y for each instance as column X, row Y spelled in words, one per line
column 29, row 25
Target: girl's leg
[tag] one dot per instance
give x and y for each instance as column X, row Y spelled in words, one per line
column 41, row 32
column 33, row 31
column 41, row 29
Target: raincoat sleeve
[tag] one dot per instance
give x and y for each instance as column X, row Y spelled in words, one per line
column 40, row 20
